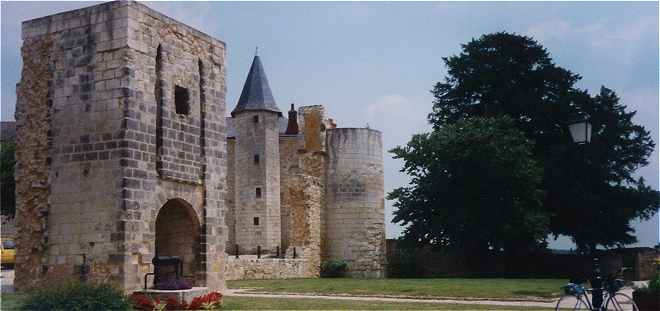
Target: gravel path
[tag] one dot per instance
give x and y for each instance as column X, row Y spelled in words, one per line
column 467, row 301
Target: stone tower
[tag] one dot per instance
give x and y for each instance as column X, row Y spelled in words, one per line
column 120, row 147
column 354, row 213
column 256, row 120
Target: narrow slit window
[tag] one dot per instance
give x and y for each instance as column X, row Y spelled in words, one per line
column 255, row 119
column 256, row 221
column 256, row 159
column 181, row 100
column 257, row 193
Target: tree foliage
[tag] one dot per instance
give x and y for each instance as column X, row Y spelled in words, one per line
column 7, row 164
column 590, row 192
column 474, row 187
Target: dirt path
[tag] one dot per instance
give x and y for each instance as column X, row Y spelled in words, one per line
column 467, row 301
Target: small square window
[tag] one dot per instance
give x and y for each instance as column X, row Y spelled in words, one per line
column 258, row 193
column 256, row 221
column 255, row 119
column 256, row 159
column 181, row 100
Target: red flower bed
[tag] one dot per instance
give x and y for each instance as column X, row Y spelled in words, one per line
column 210, row 301
column 206, row 302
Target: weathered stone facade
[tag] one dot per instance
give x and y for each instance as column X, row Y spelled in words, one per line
column 120, row 139
column 324, row 186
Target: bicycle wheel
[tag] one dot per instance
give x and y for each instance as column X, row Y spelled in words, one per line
column 571, row 302
column 620, row 302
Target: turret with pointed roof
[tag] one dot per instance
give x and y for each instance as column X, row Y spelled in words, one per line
column 256, row 121
column 256, row 94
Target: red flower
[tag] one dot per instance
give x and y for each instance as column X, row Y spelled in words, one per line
column 142, row 302
column 209, row 299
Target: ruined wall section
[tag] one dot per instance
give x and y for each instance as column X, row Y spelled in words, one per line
column 307, row 194
column 303, row 169
column 172, row 153
column 289, row 167
column 69, row 118
column 311, row 120
column 32, row 150
column 257, row 183
column 355, row 221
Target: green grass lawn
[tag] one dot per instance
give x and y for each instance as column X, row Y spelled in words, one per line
column 12, row 302
column 450, row 287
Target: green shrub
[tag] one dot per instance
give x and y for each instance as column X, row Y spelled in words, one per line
column 74, row 296
column 333, row 268
column 654, row 285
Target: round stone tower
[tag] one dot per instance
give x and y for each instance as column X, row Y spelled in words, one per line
column 355, row 201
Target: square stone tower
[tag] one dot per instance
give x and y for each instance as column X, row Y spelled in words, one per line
column 120, row 146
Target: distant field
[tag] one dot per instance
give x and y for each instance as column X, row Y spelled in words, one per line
column 447, row 287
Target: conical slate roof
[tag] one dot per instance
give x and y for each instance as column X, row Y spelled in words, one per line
column 256, row 93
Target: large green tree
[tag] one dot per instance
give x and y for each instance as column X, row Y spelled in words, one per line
column 475, row 187
column 590, row 192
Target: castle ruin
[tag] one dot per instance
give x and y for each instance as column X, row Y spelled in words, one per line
column 301, row 183
column 124, row 152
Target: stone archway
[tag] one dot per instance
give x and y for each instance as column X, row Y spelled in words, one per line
column 178, row 234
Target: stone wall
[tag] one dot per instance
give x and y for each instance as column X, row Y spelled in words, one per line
column 426, row 261
column 251, row 268
column 88, row 157
column 230, row 218
column 354, row 214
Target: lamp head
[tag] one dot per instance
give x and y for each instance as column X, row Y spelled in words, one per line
column 580, row 130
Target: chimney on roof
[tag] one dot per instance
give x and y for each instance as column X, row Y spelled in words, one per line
column 292, row 126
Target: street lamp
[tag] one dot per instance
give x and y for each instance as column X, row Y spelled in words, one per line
column 581, row 134
column 580, row 131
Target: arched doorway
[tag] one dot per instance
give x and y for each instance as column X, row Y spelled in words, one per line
column 178, row 234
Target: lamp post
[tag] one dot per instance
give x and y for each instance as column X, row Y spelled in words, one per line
column 581, row 134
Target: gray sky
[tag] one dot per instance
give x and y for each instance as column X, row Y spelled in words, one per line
column 376, row 62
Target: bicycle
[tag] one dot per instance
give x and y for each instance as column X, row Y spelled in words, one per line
column 577, row 297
